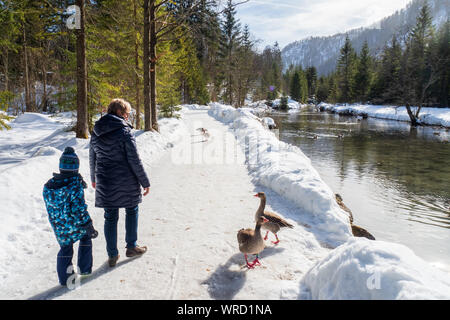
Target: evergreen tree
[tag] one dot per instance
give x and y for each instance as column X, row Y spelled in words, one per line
column 419, row 71
column 231, row 37
column 346, row 72
column 389, row 78
column 323, row 89
column 419, row 40
column 299, row 86
column 442, row 87
column 311, row 76
column 363, row 75
column 295, row 88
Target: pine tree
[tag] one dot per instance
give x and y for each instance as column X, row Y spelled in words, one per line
column 323, row 89
column 346, row 72
column 295, row 88
column 244, row 70
column 363, row 76
column 439, row 55
column 311, row 76
column 299, row 86
column 231, row 37
column 419, row 72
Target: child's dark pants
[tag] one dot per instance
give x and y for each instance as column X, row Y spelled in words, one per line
column 65, row 256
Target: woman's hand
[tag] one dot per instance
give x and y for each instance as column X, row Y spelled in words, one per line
column 146, row 191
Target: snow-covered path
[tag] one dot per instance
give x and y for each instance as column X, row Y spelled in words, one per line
column 189, row 222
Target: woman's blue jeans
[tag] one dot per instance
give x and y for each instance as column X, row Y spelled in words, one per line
column 131, row 227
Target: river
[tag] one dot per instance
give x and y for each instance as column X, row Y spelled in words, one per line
column 394, row 178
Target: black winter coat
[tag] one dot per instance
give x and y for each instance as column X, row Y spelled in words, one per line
column 115, row 164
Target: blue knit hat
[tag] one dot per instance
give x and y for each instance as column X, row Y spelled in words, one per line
column 69, row 161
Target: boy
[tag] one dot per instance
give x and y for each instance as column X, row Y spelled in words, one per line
column 68, row 216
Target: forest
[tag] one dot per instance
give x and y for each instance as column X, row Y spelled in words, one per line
column 158, row 54
column 193, row 51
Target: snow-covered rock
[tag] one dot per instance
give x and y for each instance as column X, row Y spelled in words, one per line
column 286, row 170
column 364, row 269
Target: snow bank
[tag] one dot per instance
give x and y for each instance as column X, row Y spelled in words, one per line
column 292, row 104
column 194, row 107
column 261, row 105
column 429, row 116
column 29, row 117
column 286, row 170
column 364, row 269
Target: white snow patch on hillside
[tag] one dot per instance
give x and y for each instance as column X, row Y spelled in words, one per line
column 364, row 269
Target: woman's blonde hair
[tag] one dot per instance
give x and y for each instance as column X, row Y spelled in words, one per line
column 119, row 104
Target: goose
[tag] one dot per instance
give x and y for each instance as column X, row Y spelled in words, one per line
column 205, row 133
column 357, row 231
column 275, row 221
column 251, row 242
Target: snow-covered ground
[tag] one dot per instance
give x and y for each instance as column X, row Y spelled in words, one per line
column 260, row 106
column 429, row 116
column 201, row 195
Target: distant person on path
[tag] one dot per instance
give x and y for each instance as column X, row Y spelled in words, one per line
column 68, row 216
column 117, row 175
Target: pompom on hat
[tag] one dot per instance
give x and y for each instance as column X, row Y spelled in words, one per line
column 69, row 161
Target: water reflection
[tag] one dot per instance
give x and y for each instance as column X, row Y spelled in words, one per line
column 396, row 179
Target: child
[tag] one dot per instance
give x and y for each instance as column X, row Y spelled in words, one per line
column 67, row 213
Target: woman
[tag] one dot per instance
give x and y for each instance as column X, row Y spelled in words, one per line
column 117, row 175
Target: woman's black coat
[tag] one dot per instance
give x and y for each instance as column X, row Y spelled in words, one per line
column 115, row 164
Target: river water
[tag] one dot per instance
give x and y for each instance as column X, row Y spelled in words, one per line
column 396, row 180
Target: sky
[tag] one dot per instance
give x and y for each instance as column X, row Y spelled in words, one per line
column 286, row 21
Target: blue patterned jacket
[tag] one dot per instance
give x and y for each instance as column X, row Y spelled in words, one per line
column 66, row 208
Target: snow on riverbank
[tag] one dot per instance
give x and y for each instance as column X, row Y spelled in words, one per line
column 286, row 170
column 260, row 106
column 29, row 154
column 429, row 116
column 364, row 269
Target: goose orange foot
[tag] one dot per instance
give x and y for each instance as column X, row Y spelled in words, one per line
column 256, row 263
column 276, row 242
column 250, row 266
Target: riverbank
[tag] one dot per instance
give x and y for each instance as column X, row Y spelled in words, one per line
column 427, row 116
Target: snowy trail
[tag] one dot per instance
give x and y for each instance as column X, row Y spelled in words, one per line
column 189, row 222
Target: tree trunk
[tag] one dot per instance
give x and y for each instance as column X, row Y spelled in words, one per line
column 28, row 105
column 82, row 129
column 153, row 41
column 412, row 117
column 44, row 94
column 6, row 68
column 146, row 67
column 136, row 63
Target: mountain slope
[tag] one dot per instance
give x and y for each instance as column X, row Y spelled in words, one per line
column 322, row 52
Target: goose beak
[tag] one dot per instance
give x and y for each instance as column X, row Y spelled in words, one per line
column 265, row 219
column 256, row 195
